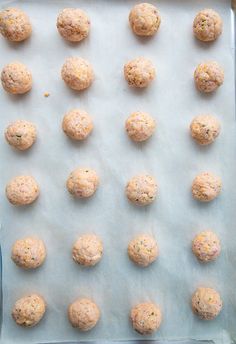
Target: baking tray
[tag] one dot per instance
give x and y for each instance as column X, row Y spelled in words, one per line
column 115, row 284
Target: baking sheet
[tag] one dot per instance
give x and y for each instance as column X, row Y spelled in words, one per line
column 116, row 284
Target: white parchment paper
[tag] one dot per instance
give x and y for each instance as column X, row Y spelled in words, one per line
column 116, row 284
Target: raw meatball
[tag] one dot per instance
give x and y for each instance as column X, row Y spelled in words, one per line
column 139, row 72
column 206, row 186
column 16, row 78
column 77, row 73
column 146, row 318
column 143, row 250
column 29, row 310
column 77, row 124
column 28, row 253
column 144, row 19
column 73, row 24
column 82, row 182
column 205, row 129
column 21, row 134
column 22, row 190
column 87, row 250
column 15, row 24
column 207, row 25
column 208, row 76
column 140, row 126
column 83, row 314
column 206, row 246
column 206, row 303
column 141, row 189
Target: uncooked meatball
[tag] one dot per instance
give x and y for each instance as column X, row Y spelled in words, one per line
column 77, row 124
column 206, row 246
column 143, row 250
column 22, row 190
column 16, row 78
column 205, row 129
column 141, row 189
column 15, row 24
column 21, row 134
column 28, row 253
column 29, row 310
column 206, row 187
column 208, row 76
column 146, row 318
column 77, row 73
column 206, row 303
column 73, row 24
column 83, row 314
column 139, row 72
column 140, row 126
column 144, row 19
column 82, row 182
column 207, row 25
column 87, row 250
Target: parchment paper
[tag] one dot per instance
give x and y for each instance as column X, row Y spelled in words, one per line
column 116, row 284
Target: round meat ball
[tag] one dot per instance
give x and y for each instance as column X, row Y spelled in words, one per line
column 22, row 190
column 205, row 129
column 144, row 19
column 29, row 310
column 87, row 250
column 141, row 189
column 206, row 303
column 143, row 250
column 73, row 24
column 82, row 182
column 83, row 314
column 139, row 72
column 77, row 73
column 206, row 246
column 16, row 78
column 140, row 126
column 207, row 25
column 28, row 253
column 206, row 187
column 146, row 318
column 77, row 124
column 208, row 76
column 21, row 134
column 15, row 24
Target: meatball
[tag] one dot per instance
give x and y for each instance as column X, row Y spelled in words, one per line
column 141, row 189
column 21, row 134
column 87, row 250
column 207, row 25
column 15, row 24
column 206, row 187
column 77, row 73
column 146, row 318
column 143, row 250
column 140, row 126
column 77, row 124
column 139, row 72
column 73, row 24
column 206, row 246
column 206, row 303
column 205, row 129
column 83, row 314
column 208, row 76
column 22, row 190
column 144, row 19
column 82, row 182
column 29, row 310
column 16, row 78
column 28, row 253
